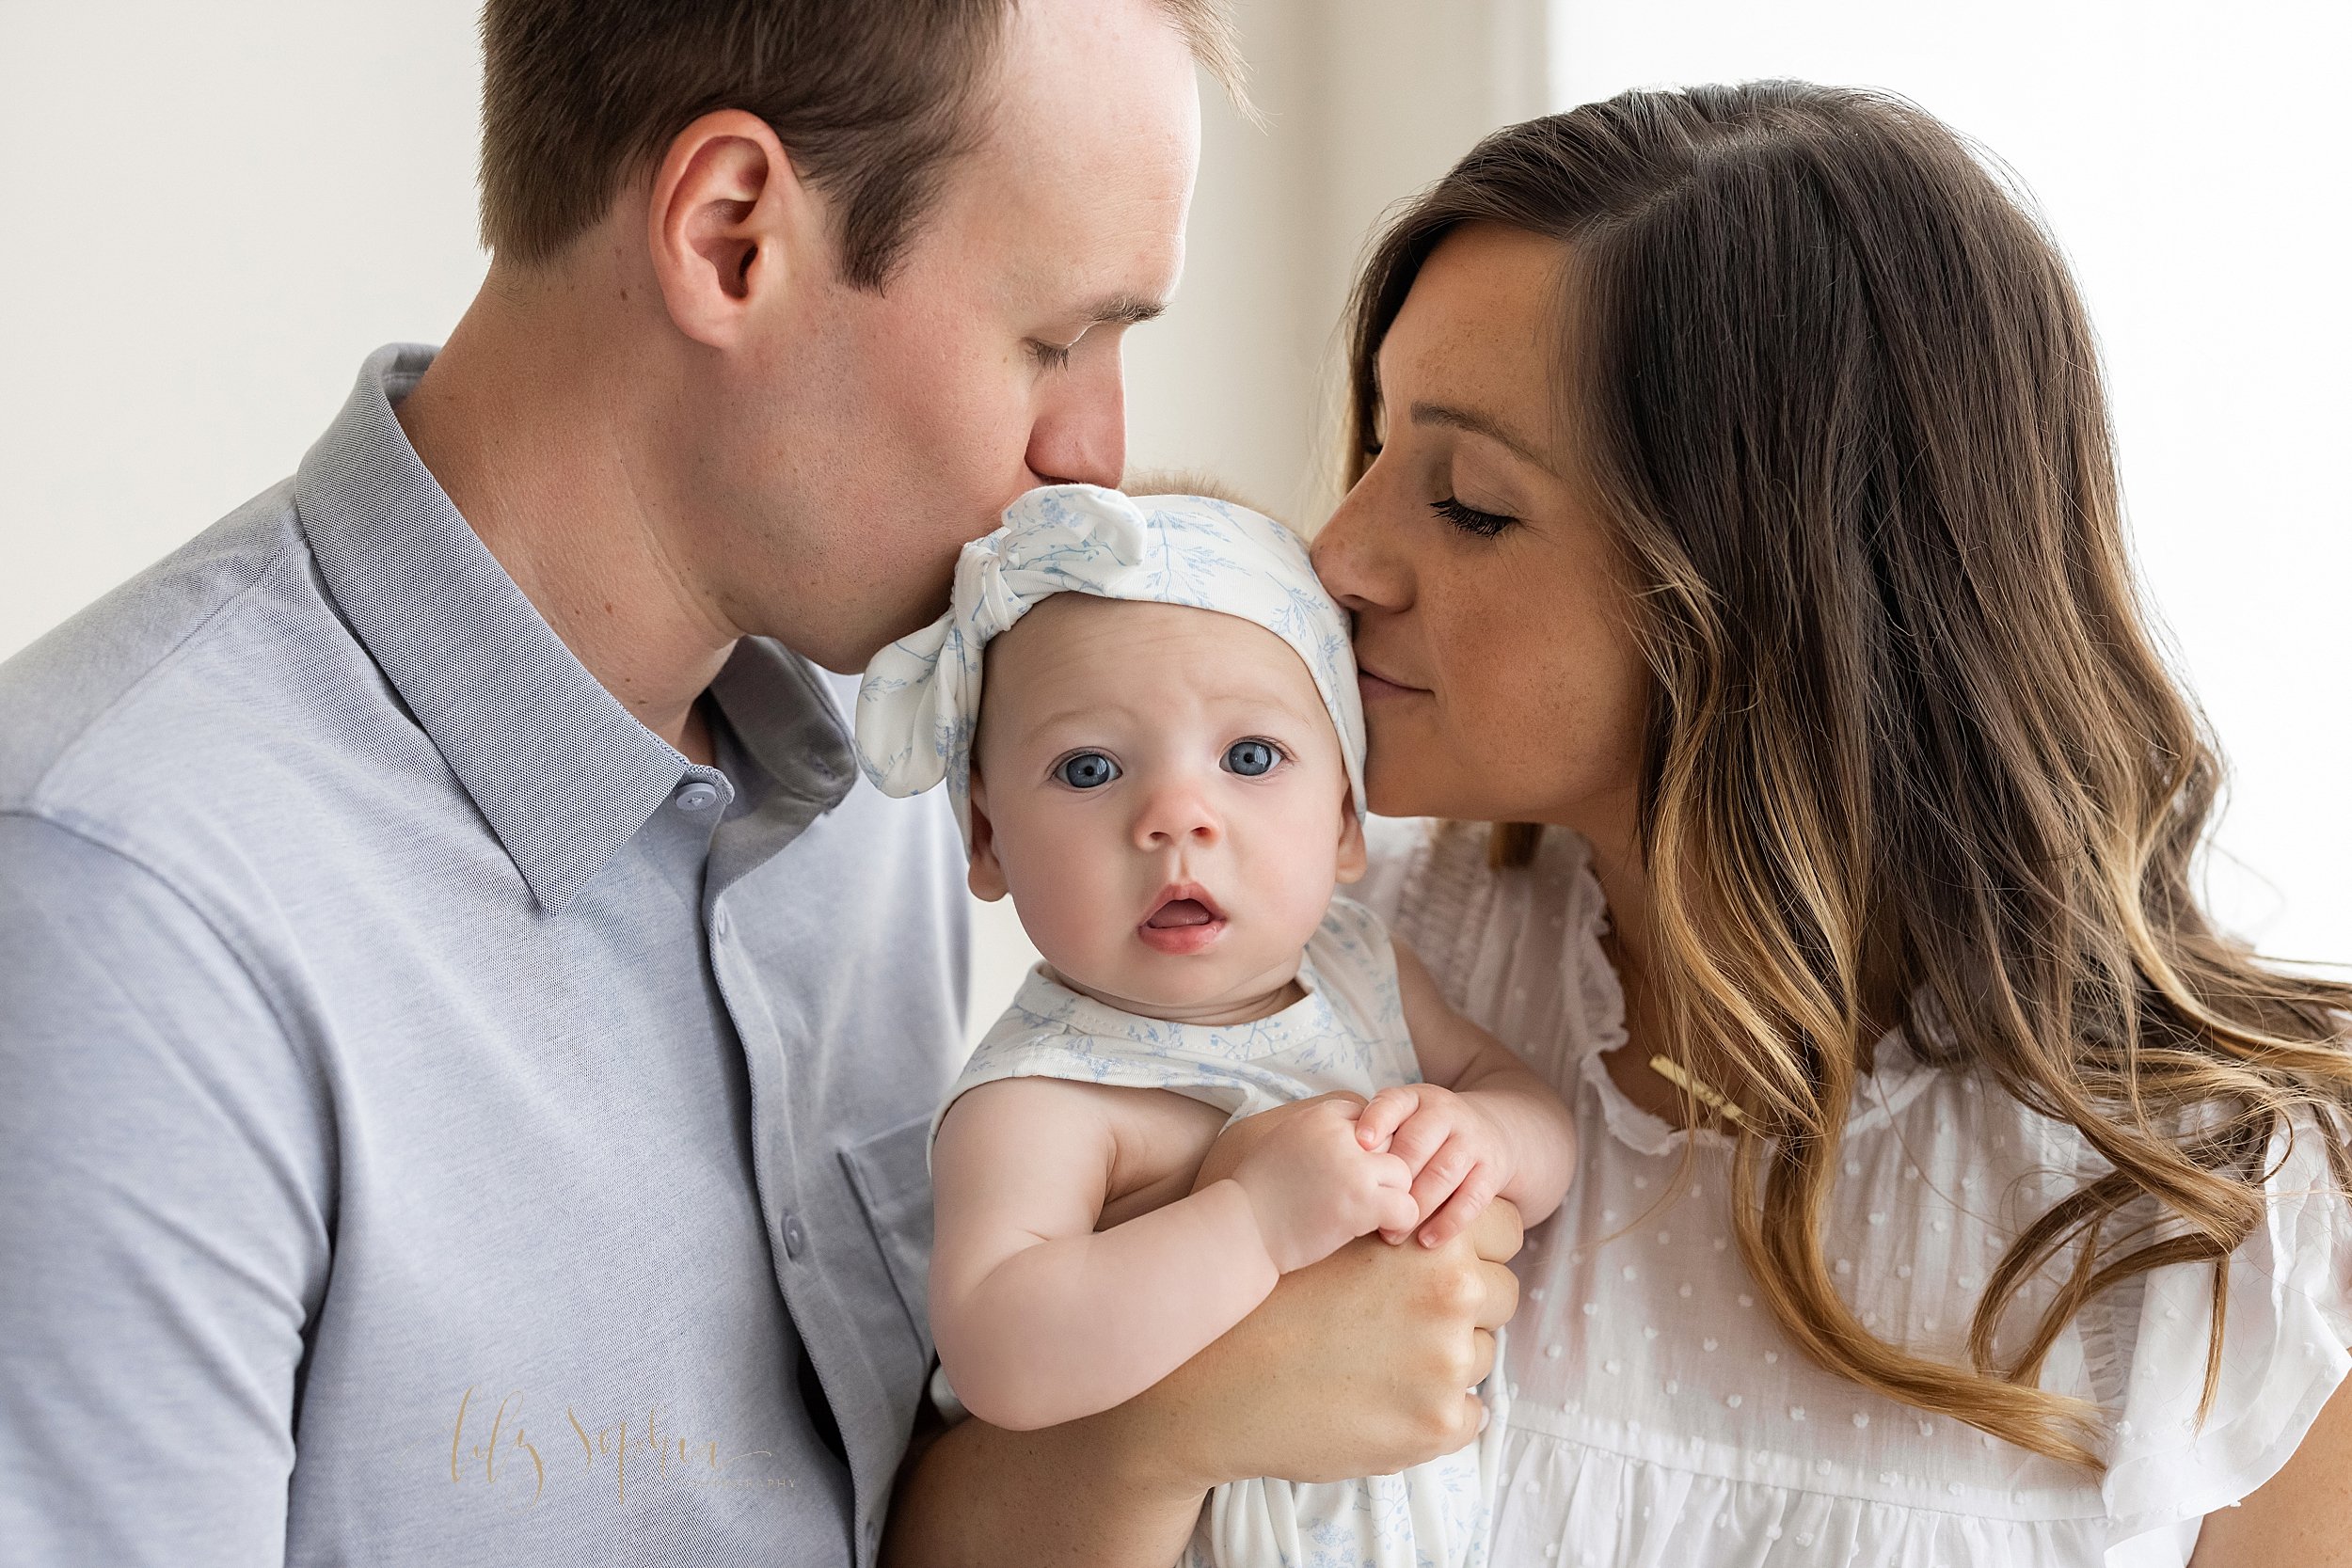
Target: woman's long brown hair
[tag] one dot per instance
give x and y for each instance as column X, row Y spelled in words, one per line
column 1911, row 755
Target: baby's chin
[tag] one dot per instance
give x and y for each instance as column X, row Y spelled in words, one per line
column 1189, row 988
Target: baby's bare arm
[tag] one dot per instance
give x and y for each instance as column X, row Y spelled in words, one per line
column 1039, row 1318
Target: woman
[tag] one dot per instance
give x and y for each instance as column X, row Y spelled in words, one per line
column 1790, row 575
column 1734, row 519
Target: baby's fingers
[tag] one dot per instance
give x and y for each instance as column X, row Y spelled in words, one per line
column 1468, row 1201
column 1382, row 1116
column 1398, row 1213
column 1422, row 1136
column 1398, row 1209
column 1441, row 1173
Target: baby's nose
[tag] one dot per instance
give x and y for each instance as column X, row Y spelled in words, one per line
column 1177, row 811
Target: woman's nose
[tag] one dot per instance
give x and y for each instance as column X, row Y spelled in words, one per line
column 1176, row 812
column 1349, row 559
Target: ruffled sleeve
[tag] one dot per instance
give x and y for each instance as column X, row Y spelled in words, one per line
column 2288, row 1322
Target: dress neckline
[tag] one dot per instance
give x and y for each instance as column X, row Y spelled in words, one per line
column 1897, row 1077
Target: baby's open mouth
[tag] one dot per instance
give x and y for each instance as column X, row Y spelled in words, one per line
column 1186, row 920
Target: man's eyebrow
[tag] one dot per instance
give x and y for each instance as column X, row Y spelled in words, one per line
column 1477, row 423
column 1126, row 311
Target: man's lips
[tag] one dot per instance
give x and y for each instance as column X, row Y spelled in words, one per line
column 1183, row 919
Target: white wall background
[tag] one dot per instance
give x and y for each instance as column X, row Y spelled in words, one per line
column 212, row 212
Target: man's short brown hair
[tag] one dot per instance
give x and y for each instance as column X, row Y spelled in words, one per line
column 872, row 99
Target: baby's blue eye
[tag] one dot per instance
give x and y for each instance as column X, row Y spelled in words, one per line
column 1087, row 770
column 1250, row 758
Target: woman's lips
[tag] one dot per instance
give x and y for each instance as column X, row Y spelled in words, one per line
column 1374, row 688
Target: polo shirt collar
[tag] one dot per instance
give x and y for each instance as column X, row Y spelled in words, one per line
column 561, row 772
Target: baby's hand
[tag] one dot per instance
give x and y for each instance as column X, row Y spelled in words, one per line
column 1457, row 1154
column 1314, row 1187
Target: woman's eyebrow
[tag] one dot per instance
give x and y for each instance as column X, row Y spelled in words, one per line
column 1470, row 419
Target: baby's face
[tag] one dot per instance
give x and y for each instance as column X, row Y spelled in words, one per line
column 1162, row 792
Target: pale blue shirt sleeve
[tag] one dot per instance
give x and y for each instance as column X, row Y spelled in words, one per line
column 164, row 1220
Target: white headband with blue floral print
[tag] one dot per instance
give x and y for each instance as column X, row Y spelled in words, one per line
column 921, row 696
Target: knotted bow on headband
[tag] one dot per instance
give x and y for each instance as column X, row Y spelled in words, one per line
column 921, row 696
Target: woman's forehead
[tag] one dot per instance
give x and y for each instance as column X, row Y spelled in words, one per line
column 1475, row 337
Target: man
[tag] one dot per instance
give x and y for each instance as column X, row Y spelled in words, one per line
column 465, row 1033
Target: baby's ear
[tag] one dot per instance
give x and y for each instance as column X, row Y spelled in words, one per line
column 1353, row 860
column 986, row 876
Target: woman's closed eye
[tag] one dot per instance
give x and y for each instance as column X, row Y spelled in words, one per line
column 1086, row 770
column 1472, row 520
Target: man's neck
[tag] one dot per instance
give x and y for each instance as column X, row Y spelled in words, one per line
column 520, row 421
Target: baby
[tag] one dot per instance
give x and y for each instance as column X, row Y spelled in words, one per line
column 1165, row 774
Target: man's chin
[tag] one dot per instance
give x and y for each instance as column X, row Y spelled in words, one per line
column 848, row 649
column 839, row 664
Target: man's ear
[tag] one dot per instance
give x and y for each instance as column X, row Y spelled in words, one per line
column 986, row 876
column 728, row 224
column 1353, row 859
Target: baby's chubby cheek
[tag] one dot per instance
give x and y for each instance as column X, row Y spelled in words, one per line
column 1072, row 902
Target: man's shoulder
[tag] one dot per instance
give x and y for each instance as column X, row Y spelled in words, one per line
column 202, row 666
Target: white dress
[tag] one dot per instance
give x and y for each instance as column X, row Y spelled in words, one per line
column 1658, row 1416
column 1347, row 1032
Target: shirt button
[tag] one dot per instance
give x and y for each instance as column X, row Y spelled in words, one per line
column 795, row 1239
column 720, row 925
column 696, row 795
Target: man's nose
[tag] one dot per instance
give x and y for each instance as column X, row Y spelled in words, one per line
column 1175, row 814
column 1080, row 437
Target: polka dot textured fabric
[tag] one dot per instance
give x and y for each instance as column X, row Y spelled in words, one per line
column 1661, row 1416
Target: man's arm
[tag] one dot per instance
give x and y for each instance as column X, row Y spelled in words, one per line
column 163, row 1235
column 1356, row 1366
column 1087, row 1494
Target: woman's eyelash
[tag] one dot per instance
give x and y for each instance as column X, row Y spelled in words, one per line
column 1470, row 519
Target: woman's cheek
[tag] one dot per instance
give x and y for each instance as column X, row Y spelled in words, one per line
column 1410, row 769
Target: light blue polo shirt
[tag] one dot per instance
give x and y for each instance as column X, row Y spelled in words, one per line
column 439, row 1124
